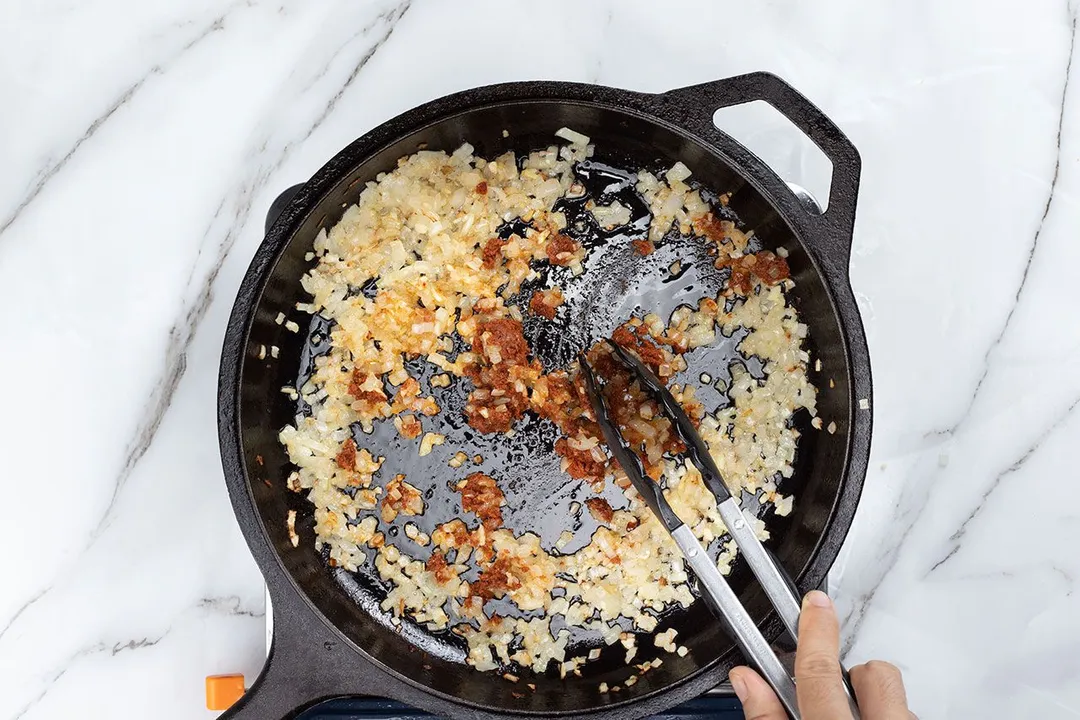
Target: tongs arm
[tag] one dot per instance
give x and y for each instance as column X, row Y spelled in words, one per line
column 776, row 583
column 715, row 589
column 774, row 580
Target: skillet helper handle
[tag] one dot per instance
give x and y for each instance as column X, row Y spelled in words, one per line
column 804, row 115
column 723, row 600
column 774, row 580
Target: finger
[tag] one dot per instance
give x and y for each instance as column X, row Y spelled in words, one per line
column 818, row 680
column 879, row 688
column 758, row 699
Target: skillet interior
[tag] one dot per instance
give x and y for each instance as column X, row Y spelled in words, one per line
column 350, row 603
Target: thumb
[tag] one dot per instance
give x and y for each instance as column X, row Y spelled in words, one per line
column 758, row 699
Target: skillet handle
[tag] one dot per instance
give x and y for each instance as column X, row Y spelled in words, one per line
column 307, row 665
column 693, row 109
column 272, row 697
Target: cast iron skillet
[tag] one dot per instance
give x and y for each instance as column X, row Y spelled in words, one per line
column 330, row 638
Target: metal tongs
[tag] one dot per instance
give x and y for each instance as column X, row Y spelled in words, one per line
column 725, row 603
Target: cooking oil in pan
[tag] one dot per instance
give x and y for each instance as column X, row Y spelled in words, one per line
column 617, row 284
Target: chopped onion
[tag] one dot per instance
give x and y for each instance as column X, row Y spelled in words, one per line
column 677, row 173
column 571, row 136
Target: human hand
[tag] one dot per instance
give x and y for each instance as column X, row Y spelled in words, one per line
column 879, row 688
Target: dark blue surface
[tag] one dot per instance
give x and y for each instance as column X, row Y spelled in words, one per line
column 715, row 708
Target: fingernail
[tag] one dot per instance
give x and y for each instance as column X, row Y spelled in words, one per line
column 739, row 686
column 817, row 599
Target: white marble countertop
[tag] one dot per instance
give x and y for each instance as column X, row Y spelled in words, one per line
column 141, row 144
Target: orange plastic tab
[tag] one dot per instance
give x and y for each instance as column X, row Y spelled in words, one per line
column 222, row 691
